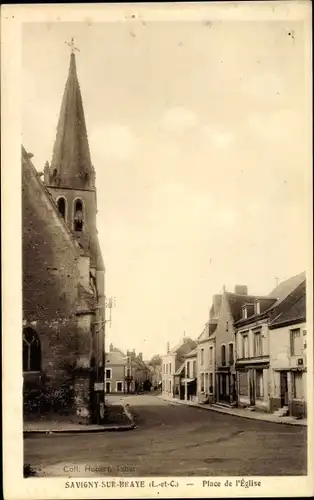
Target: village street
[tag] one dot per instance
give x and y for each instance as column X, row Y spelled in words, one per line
column 173, row 440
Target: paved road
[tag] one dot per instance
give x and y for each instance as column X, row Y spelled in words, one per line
column 173, row 440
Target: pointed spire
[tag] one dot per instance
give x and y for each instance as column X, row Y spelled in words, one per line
column 71, row 162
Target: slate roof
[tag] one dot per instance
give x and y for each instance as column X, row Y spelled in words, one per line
column 286, row 287
column 285, row 293
column 114, row 358
column 71, row 154
column 180, row 370
column 191, row 354
column 187, row 341
column 292, row 310
column 236, row 302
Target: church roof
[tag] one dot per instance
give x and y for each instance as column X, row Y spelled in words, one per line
column 71, row 159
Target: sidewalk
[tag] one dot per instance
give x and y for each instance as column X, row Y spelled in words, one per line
column 124, row 422
column 239, row 412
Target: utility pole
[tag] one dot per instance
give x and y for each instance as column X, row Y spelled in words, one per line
column 100, row 335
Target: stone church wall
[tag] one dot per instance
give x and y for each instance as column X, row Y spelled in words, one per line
column 50, row 292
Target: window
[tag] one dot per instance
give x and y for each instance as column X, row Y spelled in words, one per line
column 119, row 386
column 223, row 355
column 187, row 369
column 194, row 369
column 259, row 384
column 108, row 372
column 78, row 215
column 61, row 206
column 211, row 350
column 170, row 386
column 211, row 388
column 202, row 382
column 297, row 385
column 296, row 346
column 257, row 344
column 169, row 368
column 202, row 356
column 245, row 346
column 257, row 308
column 231, row 357
column 244, row 313
column 227, row 326
column 31, row 351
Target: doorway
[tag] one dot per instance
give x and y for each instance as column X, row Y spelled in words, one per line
column 108, row 387
column 252, row 388
column 284, row 388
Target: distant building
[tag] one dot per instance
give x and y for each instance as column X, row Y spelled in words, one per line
column 155, row 367
column 115, row 361
column 172, row 361
column 137, row 373
column 189, row 381
column 206, row 359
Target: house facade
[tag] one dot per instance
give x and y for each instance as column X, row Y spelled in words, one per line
column 189, row 381
column 254, row 373
column 206, row 363
column 288, row 361
column 228, row 312
column 172, row 361
column 115, row 361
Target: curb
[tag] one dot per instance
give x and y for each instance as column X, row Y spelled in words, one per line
column 220, row 410
column 90, row 429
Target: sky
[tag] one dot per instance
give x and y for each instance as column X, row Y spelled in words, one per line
column 199, row 136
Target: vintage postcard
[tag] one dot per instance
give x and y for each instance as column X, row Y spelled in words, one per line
column 157, row 250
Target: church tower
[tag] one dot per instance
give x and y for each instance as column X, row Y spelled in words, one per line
column 70, row 178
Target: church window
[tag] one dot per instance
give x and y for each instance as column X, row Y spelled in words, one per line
column 78, row 215
column 54, row 174
column 31, row 351
column 61, row 206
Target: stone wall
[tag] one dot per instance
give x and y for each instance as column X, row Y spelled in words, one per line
column 50, row 294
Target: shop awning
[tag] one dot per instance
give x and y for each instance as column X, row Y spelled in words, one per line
column 188, row 380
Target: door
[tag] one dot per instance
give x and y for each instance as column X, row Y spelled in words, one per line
column 108, row 387
column 284, row 388
column 252, row 388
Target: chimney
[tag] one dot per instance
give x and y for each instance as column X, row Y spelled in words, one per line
column 241, row 290
column 168, row 347
column 111, row 347
column 216, row 304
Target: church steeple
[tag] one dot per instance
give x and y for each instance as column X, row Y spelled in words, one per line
column 71, row 164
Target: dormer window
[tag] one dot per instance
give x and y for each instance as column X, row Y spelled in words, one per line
column 61, row 206
column 244, row 312
column 78, row 216
column 257, row 307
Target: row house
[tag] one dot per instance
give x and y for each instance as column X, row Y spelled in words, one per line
column 288, row 362
column 253, row 350
column 228, row 311
column 172, row 362
column 114, row 370
column 206, row 360
column 125, row 373
column 190, row 376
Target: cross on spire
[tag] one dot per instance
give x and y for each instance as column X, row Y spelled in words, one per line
column 71, row 44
